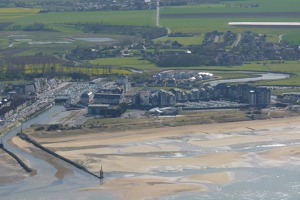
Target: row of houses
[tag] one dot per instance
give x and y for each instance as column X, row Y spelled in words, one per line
column 154, row 98
column 289, row 98
column 166, row 83
column 18, row 96
column 243, row 93
column 37, row 86
column 185, row 79
column 11, row 105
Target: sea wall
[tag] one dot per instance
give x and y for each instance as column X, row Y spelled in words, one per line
column 30, row 140
column 21, row 163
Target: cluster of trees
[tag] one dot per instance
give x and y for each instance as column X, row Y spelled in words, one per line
column 179, row 60
column 30, row 27
column 29, row 67
column 84, row 53
column 226, row 49
column 179, row 34
column 140, row 77
column 75, row 73
column 4, row 25
column 145, row 32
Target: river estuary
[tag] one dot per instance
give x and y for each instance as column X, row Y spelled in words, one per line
column 254, row 178
column 45, row 185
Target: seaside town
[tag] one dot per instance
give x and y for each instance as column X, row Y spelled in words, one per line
column 110, row 98
column 149, row 99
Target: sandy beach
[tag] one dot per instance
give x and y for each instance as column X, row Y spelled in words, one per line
column 135, row 161
column 61, row 168
column 10, row 170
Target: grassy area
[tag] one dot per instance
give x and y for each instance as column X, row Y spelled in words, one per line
column 198, row 26
column 278, row 5
column 292, row 37
column 194, row 24
column 292, row 67
column 281, row 91
column 16, row 13
column 137, row 18
column 234, row 6
column 31, row 43
column 60, row 21
column 189, row 118
column 202, row 25
column 232, row 75
column 225, row 72
column 134, row 62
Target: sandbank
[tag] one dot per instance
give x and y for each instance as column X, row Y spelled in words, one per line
column 61, row 167
column 147, row 187
column 147, row 154
column 10, row 170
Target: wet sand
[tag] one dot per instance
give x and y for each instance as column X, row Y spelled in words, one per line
column 134, row 188
column 10, row 171
column 62, row 168
column 143, row 156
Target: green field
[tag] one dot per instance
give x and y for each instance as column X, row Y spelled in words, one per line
column 198, row 26
column 16, row 13
column 292, row 36
column 131, row 62
column 137, row 18
column 180, row 22
column 60, row 21
column 292, row 67
column 235, row 6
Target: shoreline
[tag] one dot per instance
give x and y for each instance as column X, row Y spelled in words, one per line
column 143, row 156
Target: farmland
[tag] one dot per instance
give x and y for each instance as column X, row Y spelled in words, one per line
column 16, row 13
column 238, row 6
column 131, row 62
column 136, row 18
column 210, row 17
column 195, row 20
column 187, row 19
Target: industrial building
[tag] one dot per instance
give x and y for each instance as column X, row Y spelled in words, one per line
column 113, row 99
column 86, row 98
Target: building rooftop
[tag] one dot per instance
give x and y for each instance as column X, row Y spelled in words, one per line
column 98, row 105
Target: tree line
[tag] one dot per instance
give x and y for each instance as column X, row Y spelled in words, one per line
column 29, row 67
column 146, row 32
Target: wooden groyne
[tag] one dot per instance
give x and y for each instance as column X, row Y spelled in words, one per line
column 21, row 163
column 30, row 140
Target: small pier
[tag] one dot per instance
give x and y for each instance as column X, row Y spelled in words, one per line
column 36, row 144
column 21, row 163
